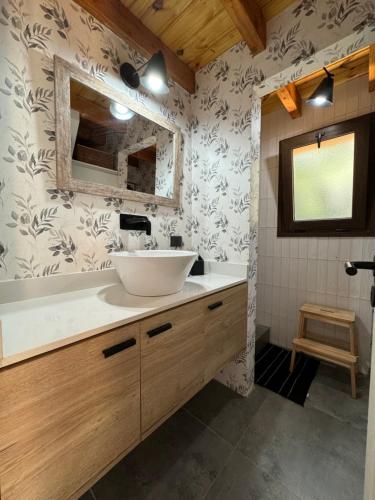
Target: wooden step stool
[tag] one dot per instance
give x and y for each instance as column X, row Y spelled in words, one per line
column 319, row 347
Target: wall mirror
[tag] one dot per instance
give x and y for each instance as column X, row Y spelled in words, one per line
column 109, row 145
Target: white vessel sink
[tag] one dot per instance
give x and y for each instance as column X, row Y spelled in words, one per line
column 151, row 273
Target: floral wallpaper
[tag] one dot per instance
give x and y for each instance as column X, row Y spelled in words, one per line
column 225, row 168
column 45, row 231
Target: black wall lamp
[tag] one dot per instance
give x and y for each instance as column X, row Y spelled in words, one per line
column 323, row 94
column 154, row 77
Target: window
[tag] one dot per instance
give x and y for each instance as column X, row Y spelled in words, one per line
column 325, row 184
column 323, row 179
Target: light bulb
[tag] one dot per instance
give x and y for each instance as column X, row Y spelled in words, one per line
column 120, row 111
column 320, row 100
column 154, row 83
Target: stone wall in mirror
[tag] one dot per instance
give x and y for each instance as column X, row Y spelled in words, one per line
column 116, row 147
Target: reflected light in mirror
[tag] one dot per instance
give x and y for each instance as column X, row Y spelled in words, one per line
column 120, row 112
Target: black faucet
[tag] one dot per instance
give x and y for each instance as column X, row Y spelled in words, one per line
column 133, row 222
column 351, row 268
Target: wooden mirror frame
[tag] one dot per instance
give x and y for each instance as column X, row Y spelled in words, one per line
column 64, row 71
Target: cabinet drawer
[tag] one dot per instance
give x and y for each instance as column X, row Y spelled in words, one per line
column 67, row 415
column 172, row 361
column 225, row 319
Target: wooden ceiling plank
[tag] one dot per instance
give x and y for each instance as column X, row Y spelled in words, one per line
column 207, row 37
column 194, row 18
column 128, row 27
column 221, row 45
column 248, row 18
column 138, row 7
column 128, row 3
column 371, row 69
column 158, row 21
column 291, row 100
column 272, row 8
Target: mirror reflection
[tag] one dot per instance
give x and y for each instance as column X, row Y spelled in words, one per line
column 114, row 146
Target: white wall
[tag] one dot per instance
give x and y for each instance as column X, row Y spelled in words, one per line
column 292, row 271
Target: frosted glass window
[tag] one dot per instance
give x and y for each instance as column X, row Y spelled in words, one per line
column 323, row 179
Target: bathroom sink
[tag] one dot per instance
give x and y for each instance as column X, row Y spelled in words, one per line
column 151, row 273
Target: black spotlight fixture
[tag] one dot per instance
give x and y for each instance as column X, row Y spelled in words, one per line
column 323, row 94
column 154, row 77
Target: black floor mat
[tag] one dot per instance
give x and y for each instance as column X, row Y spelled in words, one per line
column 272, row 372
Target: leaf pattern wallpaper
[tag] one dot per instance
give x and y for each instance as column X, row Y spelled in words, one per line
column 45, row 231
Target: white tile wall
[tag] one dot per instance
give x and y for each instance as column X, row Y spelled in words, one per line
column 292, row 271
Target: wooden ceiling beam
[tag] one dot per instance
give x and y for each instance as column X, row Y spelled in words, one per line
column 248, row 18
column 371, row 69
column 291, row 100
column 120, row 20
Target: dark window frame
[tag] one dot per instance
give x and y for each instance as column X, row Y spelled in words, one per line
column 362, row 222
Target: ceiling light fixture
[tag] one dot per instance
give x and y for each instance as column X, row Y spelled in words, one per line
column 154, row 77
column 323, row 94
column 120, row 111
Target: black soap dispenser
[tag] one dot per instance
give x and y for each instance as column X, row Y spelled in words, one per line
column 198, row 266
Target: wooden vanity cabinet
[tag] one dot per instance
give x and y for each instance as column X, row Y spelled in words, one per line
column 66, row 417
column 172, row 362
column 69, row 415
column 225, row 327
column 184, row 348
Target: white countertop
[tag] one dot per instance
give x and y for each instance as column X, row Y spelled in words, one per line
column 41, row 324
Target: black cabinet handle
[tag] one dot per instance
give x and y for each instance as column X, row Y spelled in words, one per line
column 119, row 347
column 159, row 329
column 215, row 305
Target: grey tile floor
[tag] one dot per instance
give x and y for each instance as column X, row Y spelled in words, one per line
column 221, row 446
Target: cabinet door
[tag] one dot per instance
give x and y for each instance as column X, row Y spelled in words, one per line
column 225, row 319
column 172, row 362
column 67, row 415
